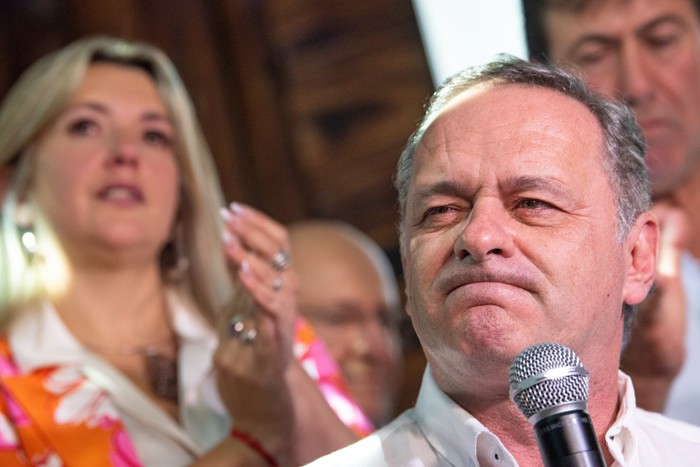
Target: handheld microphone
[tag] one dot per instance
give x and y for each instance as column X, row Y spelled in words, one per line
column 549, row 385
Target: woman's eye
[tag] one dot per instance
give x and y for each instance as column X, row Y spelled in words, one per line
column 82, row 127
column 158, row 138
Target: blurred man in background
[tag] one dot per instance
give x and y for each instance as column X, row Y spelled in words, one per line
column 350, row 295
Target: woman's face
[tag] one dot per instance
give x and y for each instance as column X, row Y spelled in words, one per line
column 106, row 174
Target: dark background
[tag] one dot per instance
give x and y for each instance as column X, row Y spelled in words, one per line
column 306, row 104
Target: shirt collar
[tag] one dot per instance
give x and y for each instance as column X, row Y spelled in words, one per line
column 620, row 437
column 197, row 338
column 39, row 338
column 449, row 428
column 198, row 342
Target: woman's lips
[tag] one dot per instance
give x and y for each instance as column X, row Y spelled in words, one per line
column 121, row 193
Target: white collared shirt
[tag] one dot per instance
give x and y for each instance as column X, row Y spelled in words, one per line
column 39, row 338
column 438, row 432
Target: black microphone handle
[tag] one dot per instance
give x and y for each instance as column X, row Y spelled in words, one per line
column 568, row 440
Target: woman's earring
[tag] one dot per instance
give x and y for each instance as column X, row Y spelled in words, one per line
column 174, row 258
column 24, row 220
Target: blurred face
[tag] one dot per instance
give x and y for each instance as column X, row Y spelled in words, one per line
column 646, row 52
column 355, row 313
column 106, row 174
column 511, row 235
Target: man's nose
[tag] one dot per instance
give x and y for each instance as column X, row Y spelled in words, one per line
column 485, row 233
column 635, row 76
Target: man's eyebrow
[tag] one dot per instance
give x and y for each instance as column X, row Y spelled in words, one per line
column 441, row 188
column 529, row 183
column 661, row 20
column 520, row 183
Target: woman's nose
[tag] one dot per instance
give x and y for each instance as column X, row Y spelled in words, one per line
column 124, row 151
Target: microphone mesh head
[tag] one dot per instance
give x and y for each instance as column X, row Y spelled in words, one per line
column 550, row 392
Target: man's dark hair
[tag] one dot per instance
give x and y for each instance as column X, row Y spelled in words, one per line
column 533, row 12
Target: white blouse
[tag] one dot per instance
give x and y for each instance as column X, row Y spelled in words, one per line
column 39, row 338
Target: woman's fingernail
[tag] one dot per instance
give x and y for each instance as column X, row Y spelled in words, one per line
column 235, row 208
column 245, row 267
column 226, row 214
column 227, row 237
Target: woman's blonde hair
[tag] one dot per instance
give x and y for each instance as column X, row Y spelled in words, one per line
column 35, row 101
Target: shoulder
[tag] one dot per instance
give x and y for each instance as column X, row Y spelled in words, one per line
column 657, row 425
column 384, row 447
column 366, row 452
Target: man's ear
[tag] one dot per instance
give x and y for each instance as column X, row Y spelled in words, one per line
column 643, row 245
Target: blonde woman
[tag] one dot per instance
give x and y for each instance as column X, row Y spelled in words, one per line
column 133, row 330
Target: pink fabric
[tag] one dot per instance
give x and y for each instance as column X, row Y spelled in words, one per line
column 316, row 360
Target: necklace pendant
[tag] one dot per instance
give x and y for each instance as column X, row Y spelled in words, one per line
column 162, row 375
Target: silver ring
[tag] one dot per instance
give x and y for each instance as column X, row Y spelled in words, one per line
column 237, row 329
column 281, row 261
column 277, row 284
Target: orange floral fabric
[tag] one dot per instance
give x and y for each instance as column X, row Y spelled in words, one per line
column 55, row 417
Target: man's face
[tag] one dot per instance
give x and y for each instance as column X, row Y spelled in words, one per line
column 646, row 52
column 355, row 311
column 511, row 233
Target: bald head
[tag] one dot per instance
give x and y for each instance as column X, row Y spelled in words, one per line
column 323, row 248
column 349, row 293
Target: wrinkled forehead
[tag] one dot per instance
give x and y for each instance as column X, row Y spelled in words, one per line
column 508, row 126
column 501, row 107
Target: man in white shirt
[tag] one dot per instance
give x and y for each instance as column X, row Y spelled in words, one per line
column 524, row 219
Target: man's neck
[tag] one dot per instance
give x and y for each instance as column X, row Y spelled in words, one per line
column 503, row 419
